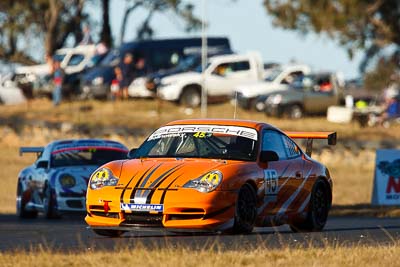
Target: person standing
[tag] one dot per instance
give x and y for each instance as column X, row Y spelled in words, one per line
column 58, row 78
column 126, row 72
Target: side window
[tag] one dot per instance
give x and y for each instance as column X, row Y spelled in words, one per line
column 75, row 59
column 273, row 140
column 293, row 76
column 292, row 149
column 240, row 66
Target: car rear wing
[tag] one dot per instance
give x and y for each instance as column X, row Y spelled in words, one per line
column 32, row 149
column 310, row 136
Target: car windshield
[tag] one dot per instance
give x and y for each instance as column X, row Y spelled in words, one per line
column 188, row 63
column 201, row 141
column 273, row 74
column 86, row 156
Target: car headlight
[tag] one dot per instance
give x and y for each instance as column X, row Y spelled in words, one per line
column 102, row 177
column 274, row 99
column 67, row 180
column 98, row 81
column 205, row 183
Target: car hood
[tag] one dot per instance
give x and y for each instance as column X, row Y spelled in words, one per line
column 186, row 76
column 259, row 88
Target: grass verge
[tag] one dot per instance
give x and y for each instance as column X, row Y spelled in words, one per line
column 330, row 255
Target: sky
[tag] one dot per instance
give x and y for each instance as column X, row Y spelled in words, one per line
column 249, row 28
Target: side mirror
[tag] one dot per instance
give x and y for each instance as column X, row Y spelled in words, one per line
column 43, row 164
column 131, row 153
column 268, row 155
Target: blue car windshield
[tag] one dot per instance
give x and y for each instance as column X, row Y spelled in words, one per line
column 219, row 142
column 86, row 156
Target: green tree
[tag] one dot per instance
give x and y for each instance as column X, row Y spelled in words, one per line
column 180, row 10
column 49, row 20
column 372, row 26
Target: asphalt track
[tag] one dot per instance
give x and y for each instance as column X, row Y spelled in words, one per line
column 72, row 234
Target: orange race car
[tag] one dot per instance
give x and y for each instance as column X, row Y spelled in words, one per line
column 212, row 175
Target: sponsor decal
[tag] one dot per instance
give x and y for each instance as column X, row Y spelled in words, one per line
column 271, row 185
column 142, row 207
column 387, row 178
column 202, row 130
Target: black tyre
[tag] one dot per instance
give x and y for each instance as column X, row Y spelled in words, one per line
column 190, row 97
column 109, row 233
column 50, row 204
column 294, row 111
column 21, row 203
column 246, row 210
column 320, row 203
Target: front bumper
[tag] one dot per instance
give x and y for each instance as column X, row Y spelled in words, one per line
column 169, row 92
column 202, row 212
column 71, row 204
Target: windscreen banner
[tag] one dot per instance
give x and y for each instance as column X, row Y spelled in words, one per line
column 386, row 188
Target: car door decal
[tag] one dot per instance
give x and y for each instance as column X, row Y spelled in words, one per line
column 271, row 185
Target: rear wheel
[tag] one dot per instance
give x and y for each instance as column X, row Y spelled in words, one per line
column 294, row 111
column 50, row 204
column 246, row 210
column 109, row 233
column 21, row 202
column 318, row 209
column 191, row 97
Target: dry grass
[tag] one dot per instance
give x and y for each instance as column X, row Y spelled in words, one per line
column 151, row 114
column 331, row 255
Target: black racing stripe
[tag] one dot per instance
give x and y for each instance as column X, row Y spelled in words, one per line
column 166, row 189
column 138, row 182
column 218, row 212
column 141, row 191
column 123, row 191
column 159, row 180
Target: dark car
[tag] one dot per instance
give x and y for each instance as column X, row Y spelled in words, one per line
column 157, row 54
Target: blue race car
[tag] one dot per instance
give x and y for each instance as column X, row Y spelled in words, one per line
column 56, row 183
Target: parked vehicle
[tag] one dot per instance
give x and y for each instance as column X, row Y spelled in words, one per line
column 278, row 79
column 73, row 60
column 311, row 94
column 10, row 93
column 220, row 76
column 157, row 54
column 57, row 181
column 147, row 86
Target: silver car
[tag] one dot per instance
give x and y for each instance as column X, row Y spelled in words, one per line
column 56, row 183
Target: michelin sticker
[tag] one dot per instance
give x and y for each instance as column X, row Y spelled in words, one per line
column 142, row 207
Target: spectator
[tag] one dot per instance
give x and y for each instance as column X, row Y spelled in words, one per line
column 126, row 71
column 58, row 78
column 86, row 39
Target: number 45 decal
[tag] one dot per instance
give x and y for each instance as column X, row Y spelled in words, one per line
column 271, row 182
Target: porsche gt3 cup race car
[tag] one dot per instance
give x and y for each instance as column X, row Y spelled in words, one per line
column 57, row 182
column 212, row 175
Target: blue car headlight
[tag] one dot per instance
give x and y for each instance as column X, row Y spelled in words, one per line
column 67, row 180
column 205, row 183
column 102, row 177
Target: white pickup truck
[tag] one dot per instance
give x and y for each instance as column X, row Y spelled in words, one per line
column 278, row 79
column 220, row 78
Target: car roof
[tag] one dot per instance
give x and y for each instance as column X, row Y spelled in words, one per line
column 229, row 122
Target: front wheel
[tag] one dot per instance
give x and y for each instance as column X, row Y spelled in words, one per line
column 294, row 111
column 246, row 210
column 108, row 233
column 190, row 97
column 50, row 204
column 318, row 209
